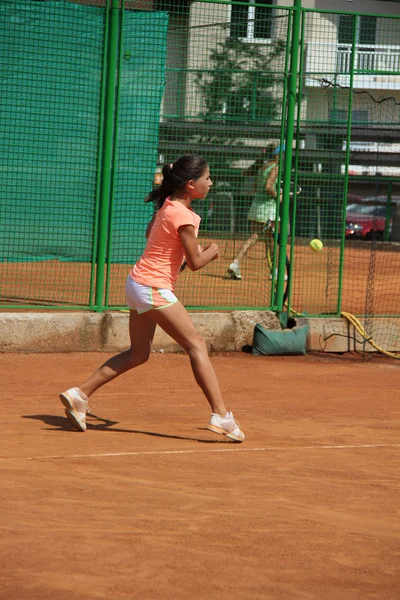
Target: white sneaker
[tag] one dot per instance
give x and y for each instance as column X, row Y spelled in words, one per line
column 234, row 271
column 226, row 426
column 76, row 407
column 276, row 275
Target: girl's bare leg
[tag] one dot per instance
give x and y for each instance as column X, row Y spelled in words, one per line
column 256, row 230
column 141, row 333
column 269, row 242
column 246, row 246
column 175, row 321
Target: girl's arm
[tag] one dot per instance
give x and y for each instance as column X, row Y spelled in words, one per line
column 270, row 185
column 196, row 257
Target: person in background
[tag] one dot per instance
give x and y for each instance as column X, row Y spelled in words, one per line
column 247, row 188
column 263, row 208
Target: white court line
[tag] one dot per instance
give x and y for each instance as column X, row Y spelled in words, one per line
column 216, row 450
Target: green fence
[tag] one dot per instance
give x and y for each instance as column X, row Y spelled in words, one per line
column 97, row 96
column 81, row 93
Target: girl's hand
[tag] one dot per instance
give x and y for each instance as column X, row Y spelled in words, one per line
column 215, row 248
column 196, row 256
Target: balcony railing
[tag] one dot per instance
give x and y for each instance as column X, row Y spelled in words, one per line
column 374, row 65
column 368, row 58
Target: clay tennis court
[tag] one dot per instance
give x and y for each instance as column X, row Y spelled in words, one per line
column 148, row 504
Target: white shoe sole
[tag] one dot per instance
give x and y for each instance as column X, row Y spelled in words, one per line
column 220, row 431
column 233, row 275
column 71, row 413
column 276, row 277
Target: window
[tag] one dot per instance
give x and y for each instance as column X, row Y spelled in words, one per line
column 360, row 116
column 252, row 22
column 339, row 115
column 365, row 37
column 365, row 30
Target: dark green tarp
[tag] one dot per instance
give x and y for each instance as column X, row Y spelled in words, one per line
column 51, row 70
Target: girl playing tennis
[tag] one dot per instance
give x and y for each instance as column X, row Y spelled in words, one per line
column 262, row 210
column 171, row 239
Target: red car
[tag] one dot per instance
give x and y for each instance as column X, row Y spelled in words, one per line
column 365, row 220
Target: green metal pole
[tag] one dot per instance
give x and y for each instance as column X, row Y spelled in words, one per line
column 281, row 141
column 107, row 152
column 114, row 148
column 290, row 129
column 295, row 179
column 334, row 99
column 346, row 172
column 99, row 161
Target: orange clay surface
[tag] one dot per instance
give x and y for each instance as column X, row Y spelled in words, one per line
column 147, row 504
column 370, row 283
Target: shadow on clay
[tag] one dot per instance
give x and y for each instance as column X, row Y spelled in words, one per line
column 58, row 423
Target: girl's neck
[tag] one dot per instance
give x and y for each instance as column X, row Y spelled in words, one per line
column 184, row 199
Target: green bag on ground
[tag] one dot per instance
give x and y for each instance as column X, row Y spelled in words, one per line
column 271, row 342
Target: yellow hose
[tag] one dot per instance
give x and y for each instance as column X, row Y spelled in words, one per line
column 360, row 329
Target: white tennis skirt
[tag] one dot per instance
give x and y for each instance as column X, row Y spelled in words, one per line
column 262, row 212
column 143, row 298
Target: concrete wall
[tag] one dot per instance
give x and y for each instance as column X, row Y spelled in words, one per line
column 108, row 332
column 223, row 332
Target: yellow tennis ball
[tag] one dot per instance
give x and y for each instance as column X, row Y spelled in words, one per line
column 316, row 245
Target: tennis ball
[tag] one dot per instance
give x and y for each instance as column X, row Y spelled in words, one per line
column 316, row 245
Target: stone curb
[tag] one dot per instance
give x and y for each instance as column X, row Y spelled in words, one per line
column 223, row 332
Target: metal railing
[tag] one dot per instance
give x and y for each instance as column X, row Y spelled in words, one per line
column 366, row 62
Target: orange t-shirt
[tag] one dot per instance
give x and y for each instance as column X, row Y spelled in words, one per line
column 163, row 255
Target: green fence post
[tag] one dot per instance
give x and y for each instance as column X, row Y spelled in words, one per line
column 295, row 178
column 281, row 143
column 107, row 152
column 114, row 147
column 346, row 172
column 290, row 128
column 92, row 299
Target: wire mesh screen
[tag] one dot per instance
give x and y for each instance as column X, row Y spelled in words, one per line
column 348, row 130
column 97, row 96
column 224, row 97
column 141, row 86
column 51, row 56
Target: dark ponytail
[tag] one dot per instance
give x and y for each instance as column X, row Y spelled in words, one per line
column 175, row 177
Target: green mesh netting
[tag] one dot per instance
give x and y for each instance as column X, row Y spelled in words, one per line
column 141, row 89
column 51, row 69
